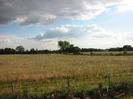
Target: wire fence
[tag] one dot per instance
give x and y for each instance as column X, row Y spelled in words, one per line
column 66, row 88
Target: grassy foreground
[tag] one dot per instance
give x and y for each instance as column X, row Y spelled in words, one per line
column 46, row 73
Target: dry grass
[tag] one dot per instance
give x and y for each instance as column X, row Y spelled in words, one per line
column 43, row 70
column 41, row 67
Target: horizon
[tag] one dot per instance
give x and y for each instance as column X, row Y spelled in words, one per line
column 87, row 23
column 69, row 42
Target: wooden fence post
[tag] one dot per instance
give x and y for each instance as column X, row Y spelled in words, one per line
column 68, row 83
column 12, row 89
column 25, row 90
column 109, row 81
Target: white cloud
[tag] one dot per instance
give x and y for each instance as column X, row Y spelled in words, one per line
column 6, row 39
column 11, row 41
column 27, row 12
column 62, row 29
column 69, row 32
column 125, row 5
column 80, row 35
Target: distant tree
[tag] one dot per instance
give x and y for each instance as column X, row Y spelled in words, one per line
column 75, row 50
column 20, row 49
column 34, row 51
column 66, row 47
column 60, row 44
column 1, row 51
column 70, row 48
column 63, row 45
column 127, row 47
column 9, row 51
column 91, row 50
column 116, row 49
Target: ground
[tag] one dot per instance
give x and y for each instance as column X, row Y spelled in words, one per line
column 50, row 72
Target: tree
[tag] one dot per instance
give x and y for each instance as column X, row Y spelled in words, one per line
column 9, row 51
column 20, row 49
column 66, row 47
column 76, row 50
column 73, row 49
column 63, row 45
column 127, row 47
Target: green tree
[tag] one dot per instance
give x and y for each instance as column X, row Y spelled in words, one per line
column 127, row 47
column 20, row 49
column 76, row 50
column 9, row 51
column 66, row 47
column 63, row 45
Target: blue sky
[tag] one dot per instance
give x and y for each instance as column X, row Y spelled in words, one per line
column 88, row 23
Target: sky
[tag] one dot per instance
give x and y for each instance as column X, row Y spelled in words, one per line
column 40, row 24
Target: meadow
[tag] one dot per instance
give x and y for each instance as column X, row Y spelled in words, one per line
column 45, row 73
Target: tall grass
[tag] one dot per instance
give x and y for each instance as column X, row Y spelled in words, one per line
column 41, row 67
column 46, row 73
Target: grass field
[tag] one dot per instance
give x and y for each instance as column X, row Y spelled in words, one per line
column 37, row 67
column 46, row 73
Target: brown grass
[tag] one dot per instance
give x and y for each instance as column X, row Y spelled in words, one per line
column 41, row 67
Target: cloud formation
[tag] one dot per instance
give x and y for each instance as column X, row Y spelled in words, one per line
column 27, row 12
column 84, row 36
column 69, row 32
column 6, row 39
column 12, row 41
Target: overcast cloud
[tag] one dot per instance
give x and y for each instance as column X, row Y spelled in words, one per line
column 44, row 13
column 28, row 12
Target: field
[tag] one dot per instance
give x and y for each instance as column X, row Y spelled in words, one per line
column 47, row 73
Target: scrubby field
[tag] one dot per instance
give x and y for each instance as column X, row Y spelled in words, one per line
column 41, row 67
column 46, row 73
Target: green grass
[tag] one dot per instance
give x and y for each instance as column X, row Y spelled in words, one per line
column 127, row 97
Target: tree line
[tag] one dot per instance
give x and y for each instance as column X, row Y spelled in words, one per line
column 65, row 47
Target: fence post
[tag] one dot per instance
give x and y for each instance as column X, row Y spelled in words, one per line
column 68, row 83
column 12, row 89
column 109, row 81
column 25, row 90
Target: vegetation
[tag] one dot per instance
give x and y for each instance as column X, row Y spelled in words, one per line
column 47, row 73
column 20, row 49
column 68, row 48
column 35, row 67
column 90, row 70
